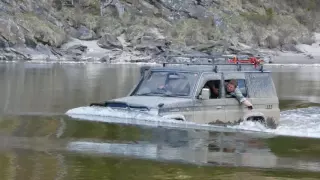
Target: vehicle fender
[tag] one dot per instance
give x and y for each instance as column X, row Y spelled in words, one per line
column 253, row 114
column 175, row 116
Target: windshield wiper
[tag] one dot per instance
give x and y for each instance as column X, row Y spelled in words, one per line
column 160, row 94
column 149, row 94
column 168, row 95
column 174, row 95
column 145, row 94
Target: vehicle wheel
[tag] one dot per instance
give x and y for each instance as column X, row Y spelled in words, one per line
column 178, row 119
column 259, row 119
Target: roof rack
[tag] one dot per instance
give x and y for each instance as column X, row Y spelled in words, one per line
column 256, row 62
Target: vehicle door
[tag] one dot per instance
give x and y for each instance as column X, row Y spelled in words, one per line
column 211, row 110
column 235, row 110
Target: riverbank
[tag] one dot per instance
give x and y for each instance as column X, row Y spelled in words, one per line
column 81, row 51
column 122, row 31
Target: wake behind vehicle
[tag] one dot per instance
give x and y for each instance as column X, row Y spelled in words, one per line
column 180, row 91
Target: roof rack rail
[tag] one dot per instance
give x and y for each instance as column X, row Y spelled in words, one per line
column 229, row 59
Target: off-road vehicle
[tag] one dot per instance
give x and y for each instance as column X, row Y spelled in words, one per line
column 178, row 90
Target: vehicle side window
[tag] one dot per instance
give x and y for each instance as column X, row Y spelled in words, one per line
column 214, row 87
column 261, row 85
column 241, row 85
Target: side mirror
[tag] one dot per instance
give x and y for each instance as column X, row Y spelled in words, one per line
column 205, row 94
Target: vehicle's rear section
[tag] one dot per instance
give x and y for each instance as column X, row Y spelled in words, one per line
column 262, row 94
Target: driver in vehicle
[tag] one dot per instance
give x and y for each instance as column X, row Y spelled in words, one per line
column 177, row 87
column 233, row 90
column 213, row 86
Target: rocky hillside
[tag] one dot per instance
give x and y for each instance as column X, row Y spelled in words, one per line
column 31, row 29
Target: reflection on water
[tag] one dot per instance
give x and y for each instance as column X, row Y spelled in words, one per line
column 55, row 88
column 63, row 148
column 59, row 147
column 297, row 83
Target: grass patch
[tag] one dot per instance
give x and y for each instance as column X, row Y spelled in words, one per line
column 309, row 5
column 42, row 30
column 111, row 25
column 261, row 19
column 295, row 147
column 8, row 124
column 77, row 17
column 129, row 168
column 193, row 31
column 183, row 32
column 133, row 25
column 294, row 104
column 93, row 7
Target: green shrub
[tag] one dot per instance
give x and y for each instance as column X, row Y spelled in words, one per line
column 261, row 19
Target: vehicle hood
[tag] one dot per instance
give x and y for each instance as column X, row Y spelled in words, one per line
column 154, row 101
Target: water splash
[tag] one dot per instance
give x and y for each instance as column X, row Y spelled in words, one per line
column 102, row 114
column 303, row 122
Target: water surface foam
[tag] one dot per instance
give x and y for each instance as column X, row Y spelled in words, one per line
column 302, row 122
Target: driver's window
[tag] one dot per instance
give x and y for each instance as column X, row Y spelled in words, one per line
column 241, row 84
column 214, row 87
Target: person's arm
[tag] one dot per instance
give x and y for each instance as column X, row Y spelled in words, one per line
column 242, row 99
column 248, row 104
column 215, row 90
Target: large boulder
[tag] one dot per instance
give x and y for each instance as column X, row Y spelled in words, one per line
column 86, row 34
column 152, row 41
column 3, row 43
column 10, row 31
column 108, row 41
column 272, row 41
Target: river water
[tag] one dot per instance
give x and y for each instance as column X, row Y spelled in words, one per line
column 38, row 142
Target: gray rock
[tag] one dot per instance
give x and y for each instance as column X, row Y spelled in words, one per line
column 179, row 8
column 57, row 4
column 272, row 41
column 13, row 55
column 209, row 47
column 77, row 49
column 198, row 12
column 86, row 34
column 234, row 50
column 71, row 31
column 310, row 56
column 151, row 44
column 44, row 49
column 309, row 40
column 3, row 43
column 116, row 4
column 11, row 31
column 106, row 59
column 30, row 42
column 290, row 47
column 145, row 8
column 108, row 41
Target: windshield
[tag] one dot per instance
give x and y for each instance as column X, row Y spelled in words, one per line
column 167, row 84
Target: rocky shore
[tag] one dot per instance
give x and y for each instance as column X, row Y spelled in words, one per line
column 115, row 31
